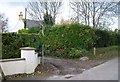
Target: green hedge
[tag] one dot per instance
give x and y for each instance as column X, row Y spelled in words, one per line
column 65, row 41
column 12, row 42
column 69, row 36
column 30, row 30
column 106, row 38
column 68, row 40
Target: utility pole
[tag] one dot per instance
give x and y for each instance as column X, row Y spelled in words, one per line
column 25, row 18
column 43, row 45
column 78, row 12
column 119, row 15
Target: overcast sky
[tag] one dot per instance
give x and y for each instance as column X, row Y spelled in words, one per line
column 12, row 8
column 11, row 11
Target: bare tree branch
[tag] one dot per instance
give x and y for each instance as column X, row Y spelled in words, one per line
column 38, row 8
column 94, row 11
column 54, row 9
column 3, row 23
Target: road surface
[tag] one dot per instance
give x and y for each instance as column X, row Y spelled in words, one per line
column 105, row 71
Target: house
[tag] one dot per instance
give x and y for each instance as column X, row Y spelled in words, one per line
column 29, row 23
column 68, row 21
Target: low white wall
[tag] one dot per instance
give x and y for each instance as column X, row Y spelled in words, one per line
column 31, row 58
column 13, row 66
column 26, row 64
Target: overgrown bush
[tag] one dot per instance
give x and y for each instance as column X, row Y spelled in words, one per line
column 115, row 38
column 36, row 29
column 64, row 41
column 60, row 39
column 12, row 42
column 103, row 38
column 106, row 38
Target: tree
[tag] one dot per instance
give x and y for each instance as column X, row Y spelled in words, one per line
column 3, row 23
column 99, row 13
column 54, row 9
column 48, row 19
column 38, row 9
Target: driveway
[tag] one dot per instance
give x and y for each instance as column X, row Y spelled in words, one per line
column 105, row 71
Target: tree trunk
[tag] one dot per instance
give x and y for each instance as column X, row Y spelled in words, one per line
column 119, row 14
column 88, row 17
column 94, row 15
column 78, row 13
column 54, row 19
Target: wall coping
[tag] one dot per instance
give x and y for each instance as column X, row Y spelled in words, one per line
column 13, row 59
column 27, row 48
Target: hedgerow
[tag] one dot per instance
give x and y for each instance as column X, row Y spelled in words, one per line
column 68, row 40
column 65, row 41
column 12, row 42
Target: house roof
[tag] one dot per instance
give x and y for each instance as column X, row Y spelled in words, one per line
column 32, row 23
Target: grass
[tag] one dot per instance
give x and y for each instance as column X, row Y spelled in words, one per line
column 104, row 53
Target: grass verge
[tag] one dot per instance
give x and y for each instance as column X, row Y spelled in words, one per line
column 104, row 53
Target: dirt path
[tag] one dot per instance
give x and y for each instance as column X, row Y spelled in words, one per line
column 105, row 71
column 72, row 67
column 57, row 67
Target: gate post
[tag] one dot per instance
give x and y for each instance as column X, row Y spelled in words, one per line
column 31, row 58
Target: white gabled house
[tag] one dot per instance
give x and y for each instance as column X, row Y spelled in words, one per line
column 29, row 23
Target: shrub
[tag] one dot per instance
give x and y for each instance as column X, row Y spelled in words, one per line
column 103, row 38
column 61, row 38
column 106, row 38
column 11, row 42
column 65, row 41
column 77, row 53
column 36, row 29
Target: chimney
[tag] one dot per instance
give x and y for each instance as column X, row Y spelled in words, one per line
column 20, row 16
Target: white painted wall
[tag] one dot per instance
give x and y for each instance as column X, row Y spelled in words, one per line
column 31, row 58
column 19, row 26
column 13, row 67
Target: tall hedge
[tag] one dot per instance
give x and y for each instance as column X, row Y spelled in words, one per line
column 66, row 40
column 69, row 36
column 36, row 29
column 62, row 39
column 106, row 38
column 12, row 42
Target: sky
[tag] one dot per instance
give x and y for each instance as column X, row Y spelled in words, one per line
column 12, row 8
column 11, row 11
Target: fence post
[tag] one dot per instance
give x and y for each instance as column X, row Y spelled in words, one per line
column 29, row 54
column 94, row 51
